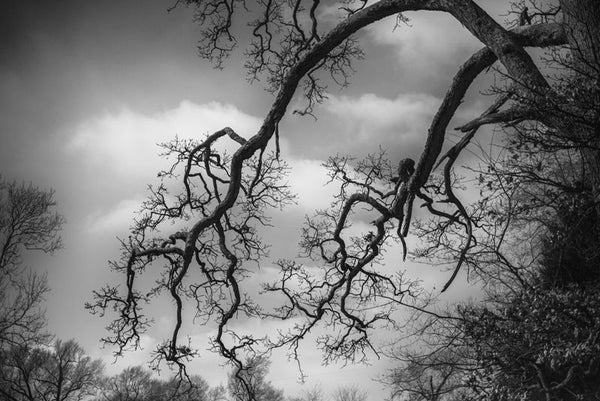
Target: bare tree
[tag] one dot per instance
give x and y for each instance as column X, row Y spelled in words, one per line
column 27, row 223
column 61, row 373
column 440, row 369
column 251, row 383
column 132, row 384
column 224, row 197
column 350, row 393
column 314, row 393
column 136, row 383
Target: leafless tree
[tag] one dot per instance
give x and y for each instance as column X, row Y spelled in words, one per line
column 350, row 393
column 135, row 383
column 440, row 368
column 132, row 384
column 224, row 196
column 314, row 393
column 61, row 373
column 27, row 223
column 251, row 383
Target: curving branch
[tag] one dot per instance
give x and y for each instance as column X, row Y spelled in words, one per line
column 540, row 35
column 225, row 196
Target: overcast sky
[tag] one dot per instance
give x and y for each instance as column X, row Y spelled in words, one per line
column 87, row 89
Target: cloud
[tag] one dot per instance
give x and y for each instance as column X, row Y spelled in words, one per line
column 308, row 179
column 366, row 122
column 115, row 219
column 125, row 141
column 406, row 116
column 428, row 46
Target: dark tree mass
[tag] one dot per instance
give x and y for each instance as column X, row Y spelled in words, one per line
column 531, row 237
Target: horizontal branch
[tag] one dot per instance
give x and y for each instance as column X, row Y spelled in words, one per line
column 504, row 116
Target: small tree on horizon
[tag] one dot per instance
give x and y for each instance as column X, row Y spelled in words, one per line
column 251, row 383
column 63, row 372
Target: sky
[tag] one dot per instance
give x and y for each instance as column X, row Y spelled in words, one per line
column 88, row 88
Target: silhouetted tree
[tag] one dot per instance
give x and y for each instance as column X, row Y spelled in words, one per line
column 60, row 373
column 132, row 384
column 251, row 383
column 312, row 394
column 136, row 383
column 225, row 197
column 27, row 223
column 350, row 393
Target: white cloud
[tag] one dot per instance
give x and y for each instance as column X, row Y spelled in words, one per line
column 428, row 44
column 117, row 157
column 370, row 116
column 125, row 141
column 308, row 179
column 116, row 219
